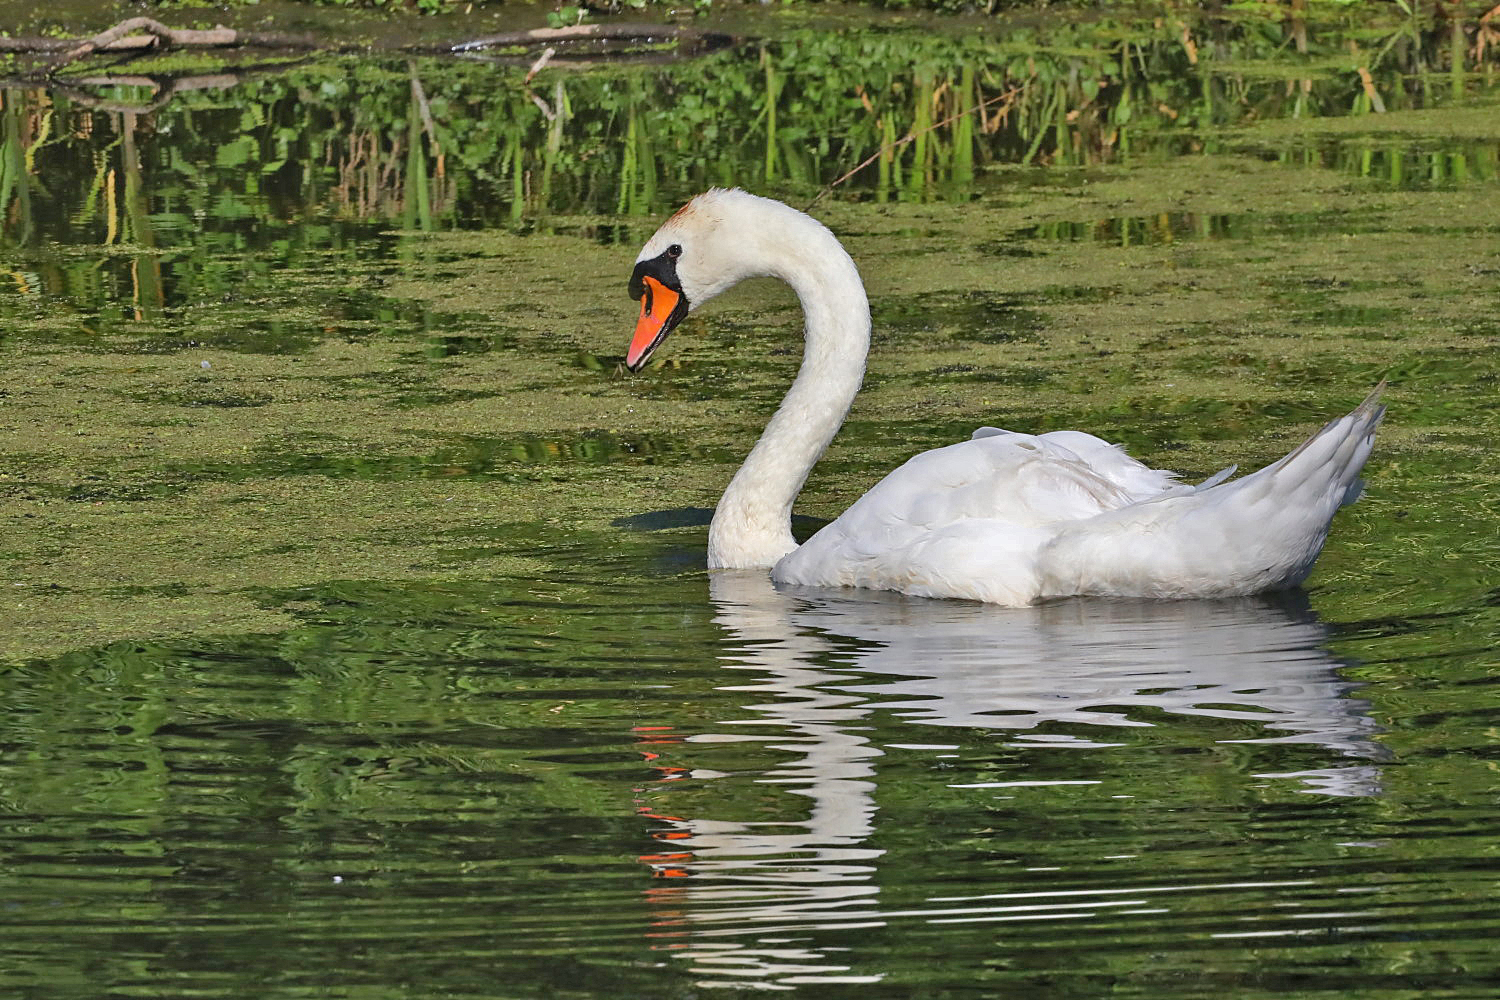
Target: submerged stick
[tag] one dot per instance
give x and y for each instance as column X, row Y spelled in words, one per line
column 541, row 61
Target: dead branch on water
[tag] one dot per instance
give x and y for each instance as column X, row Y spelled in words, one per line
column 138, row 35
column 143, row 34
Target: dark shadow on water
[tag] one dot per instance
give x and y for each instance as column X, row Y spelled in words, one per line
column 803, row 526
column 660, row 520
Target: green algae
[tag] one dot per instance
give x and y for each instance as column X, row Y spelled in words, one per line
column 151, row 494
column 1479, row 121
column 251, row 389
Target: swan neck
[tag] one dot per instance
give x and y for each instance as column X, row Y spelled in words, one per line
column 752, row 526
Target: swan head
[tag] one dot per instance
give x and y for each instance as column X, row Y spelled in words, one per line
column 717, row 240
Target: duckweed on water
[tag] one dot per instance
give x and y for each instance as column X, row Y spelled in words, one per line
column 145, row 471
column 1202, row 308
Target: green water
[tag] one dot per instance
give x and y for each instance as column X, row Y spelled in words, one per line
column 354, row 633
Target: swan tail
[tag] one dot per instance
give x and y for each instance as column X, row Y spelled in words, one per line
column 1257, row 533
column 1285, row 508
column 1331, row 459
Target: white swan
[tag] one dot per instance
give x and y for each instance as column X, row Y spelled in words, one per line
column 1004, row 518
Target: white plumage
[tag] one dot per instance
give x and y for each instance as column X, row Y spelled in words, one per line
column 1004, row 518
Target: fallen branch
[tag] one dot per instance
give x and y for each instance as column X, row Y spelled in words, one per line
column 33, row 44
column 584, row 33
column 575, row 61
column 170, row 36
column 143, row 34
column 146, row 33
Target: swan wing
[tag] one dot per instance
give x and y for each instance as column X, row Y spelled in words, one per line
column 955, row 521
column 1260, row 532
column 1013, row 518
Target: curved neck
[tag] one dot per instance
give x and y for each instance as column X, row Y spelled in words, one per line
column 752, row 526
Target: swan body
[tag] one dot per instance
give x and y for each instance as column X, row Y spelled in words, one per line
column 1005, row 518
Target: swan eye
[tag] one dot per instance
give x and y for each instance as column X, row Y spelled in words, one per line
column 674, row 251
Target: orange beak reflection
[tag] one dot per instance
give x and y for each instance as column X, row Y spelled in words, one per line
column 661, row 310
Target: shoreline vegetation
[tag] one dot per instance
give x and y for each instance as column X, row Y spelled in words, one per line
column 931, row 97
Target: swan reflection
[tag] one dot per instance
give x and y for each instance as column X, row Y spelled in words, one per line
column 824, row 666
column 1086, row 662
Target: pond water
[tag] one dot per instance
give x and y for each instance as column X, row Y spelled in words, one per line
column 355, row 636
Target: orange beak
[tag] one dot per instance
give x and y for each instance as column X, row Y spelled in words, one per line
column 661, row 310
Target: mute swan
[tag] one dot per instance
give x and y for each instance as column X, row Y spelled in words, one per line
column 1004, row 518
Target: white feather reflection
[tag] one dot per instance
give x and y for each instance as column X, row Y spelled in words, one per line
column 826, row 661
column 1088, row 662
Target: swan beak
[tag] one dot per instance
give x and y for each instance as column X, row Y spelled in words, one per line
column 661, row 310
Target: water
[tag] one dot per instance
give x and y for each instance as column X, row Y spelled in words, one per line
column 376, row 656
